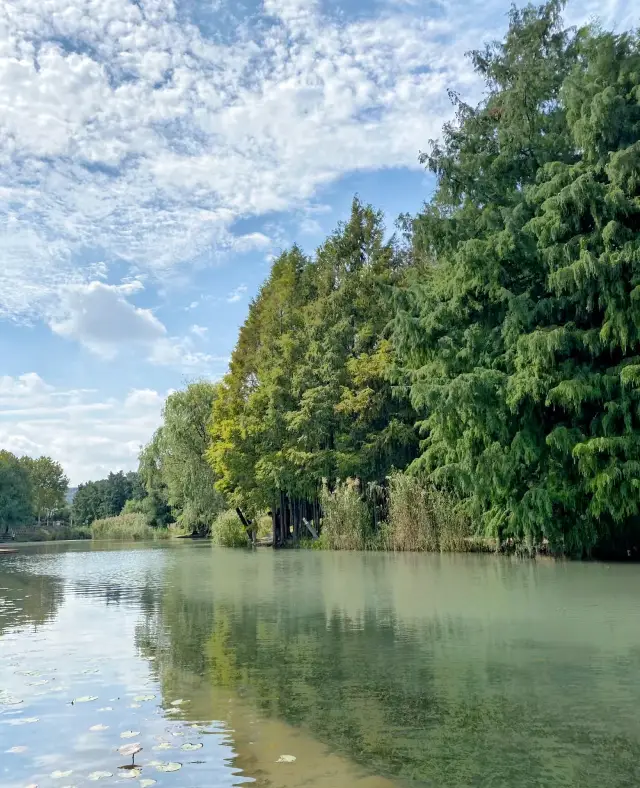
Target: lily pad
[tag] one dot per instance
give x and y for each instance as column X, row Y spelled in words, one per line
column 129, row 734
column 164, row 745
column 58, row 774
column 135, row 706
column 85, row 699
column 172, row 711
column 100, row 775
column 38, row 683
column 179, row 702
column 130, row 774
column 106, row 708
column 286, row 759
column 99, row 727
column 147, row 783
column 189, row 746
column 172, row 766
column 143, row 698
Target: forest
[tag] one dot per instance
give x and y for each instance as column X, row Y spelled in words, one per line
column 472, row 379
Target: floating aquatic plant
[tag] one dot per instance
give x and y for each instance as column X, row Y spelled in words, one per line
column 85, row 699
column 100, row 775
column 129, row 734
column 99, row 727
column 286, row 759
column 57, row 774
column 172, row 766
column 189, row 746
column 130, row 774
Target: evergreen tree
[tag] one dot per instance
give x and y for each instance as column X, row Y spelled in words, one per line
column 517, row 332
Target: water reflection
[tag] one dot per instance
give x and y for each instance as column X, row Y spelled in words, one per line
column 373, row 670
column 446, row 671
column 26, row 599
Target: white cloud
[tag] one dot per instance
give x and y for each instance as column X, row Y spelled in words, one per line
column 124, row 129
column 179, row 352
column 237, row 294
column 88, row 435
column 100, row 317
column 199, row 331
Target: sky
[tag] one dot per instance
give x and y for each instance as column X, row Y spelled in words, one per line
column 155, row 155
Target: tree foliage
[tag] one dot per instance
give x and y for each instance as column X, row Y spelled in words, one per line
column 173, row 464
column 15, row 493
column 519, row 330
column 48, row 485
column 308, row 395
column 97, row 500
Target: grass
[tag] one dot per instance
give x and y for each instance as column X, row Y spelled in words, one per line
column 422, row 518
column 126, row 526
column 347, row 521
column 228, row 531
column 43, row 534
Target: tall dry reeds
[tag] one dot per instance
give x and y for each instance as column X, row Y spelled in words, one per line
column 346, row 518
column 422, row 518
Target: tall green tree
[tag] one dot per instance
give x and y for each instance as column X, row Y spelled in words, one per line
column 15, row 493
column 179, row 482
column 183, row 442
column 49, row 485
column 517, row 323
column 309, row 393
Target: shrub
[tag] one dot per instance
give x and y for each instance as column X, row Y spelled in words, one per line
column 346, row 519
column 423, row 518
column 132, row 526
column 228, row 531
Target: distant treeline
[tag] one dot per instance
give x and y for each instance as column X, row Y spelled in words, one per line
column 32, row 491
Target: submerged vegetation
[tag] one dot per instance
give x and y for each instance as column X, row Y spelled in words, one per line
column 477, row 379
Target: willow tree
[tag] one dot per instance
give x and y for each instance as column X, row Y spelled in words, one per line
column 518, row 326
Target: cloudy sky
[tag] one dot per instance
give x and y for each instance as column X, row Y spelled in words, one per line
column 155, row 154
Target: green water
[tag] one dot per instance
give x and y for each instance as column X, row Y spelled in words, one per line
column 373, row 670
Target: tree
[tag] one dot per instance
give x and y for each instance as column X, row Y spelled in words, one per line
column 174, row 464
column 48, row 484
column 517, row 333
column 309, row 394
column 15, row 493
column 105, row 497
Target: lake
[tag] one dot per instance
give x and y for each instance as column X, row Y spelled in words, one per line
column 304, row 668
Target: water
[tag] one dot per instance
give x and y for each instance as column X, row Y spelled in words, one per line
column 376, row 670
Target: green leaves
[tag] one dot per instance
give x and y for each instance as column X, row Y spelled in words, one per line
column 518, row 329
column 309, row 394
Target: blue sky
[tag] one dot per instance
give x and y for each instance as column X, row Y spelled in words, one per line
column 156, row 154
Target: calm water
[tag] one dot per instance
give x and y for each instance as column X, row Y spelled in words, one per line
column 370, row 670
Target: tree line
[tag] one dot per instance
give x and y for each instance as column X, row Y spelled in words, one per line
column 32, row 491
column 493, row 346
column 489, row 350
